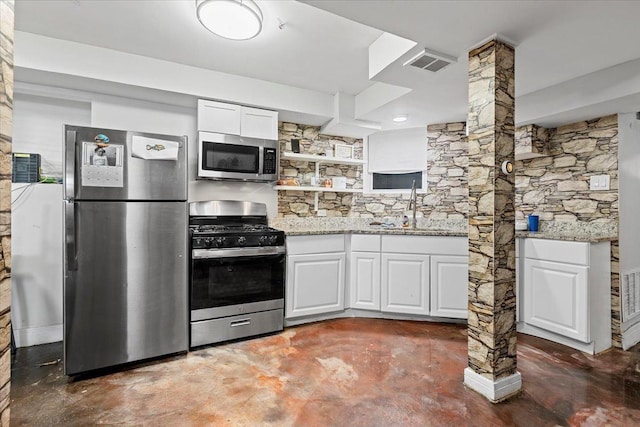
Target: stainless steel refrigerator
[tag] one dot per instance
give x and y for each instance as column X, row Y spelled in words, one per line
column 126, row 250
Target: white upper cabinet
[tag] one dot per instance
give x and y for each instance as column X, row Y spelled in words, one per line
column 257, row 123
column 218, row 117
column 231, row 119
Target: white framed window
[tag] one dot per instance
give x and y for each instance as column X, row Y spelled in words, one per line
column 394, row 160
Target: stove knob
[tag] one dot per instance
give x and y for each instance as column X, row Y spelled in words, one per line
column 220, row 241
column 197, row 243
column 208, row 242
column 262, row 240
column 242, row 240
column 273, row 240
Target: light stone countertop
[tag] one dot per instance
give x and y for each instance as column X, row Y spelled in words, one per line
column 574, row 231
column 565, row 231
column 340, row 225
column 376, row 230
column 593, row 237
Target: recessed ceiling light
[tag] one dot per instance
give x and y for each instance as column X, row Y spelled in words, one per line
column 231, row 19
column 400, row 118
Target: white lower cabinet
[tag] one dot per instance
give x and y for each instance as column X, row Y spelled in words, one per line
column 405, row 283
column 567, row 293
column 449, row 284
column 556, row 298
column 391, row 274
column 315, row 275
column 315, row 284
column 364, row 280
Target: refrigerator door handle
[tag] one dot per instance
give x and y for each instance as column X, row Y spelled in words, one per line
column 70, row 235
column 70, row 165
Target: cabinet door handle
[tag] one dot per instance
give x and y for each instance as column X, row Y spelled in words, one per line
column 242, row 322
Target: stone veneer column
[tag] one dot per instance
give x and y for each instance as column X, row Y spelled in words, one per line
column 492, row 303
column 6, row 125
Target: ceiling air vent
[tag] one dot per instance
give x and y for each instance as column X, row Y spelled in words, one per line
column 430, row 60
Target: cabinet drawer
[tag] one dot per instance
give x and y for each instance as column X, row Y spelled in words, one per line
column 229, row 328
column 557, row 251
column 440, row 245
column 315, row 244
column 365, row 242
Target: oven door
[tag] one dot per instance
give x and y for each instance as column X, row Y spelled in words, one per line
column 227, row 282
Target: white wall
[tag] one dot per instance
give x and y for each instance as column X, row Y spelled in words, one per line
column 36, row 271
column 629, row 229
column 38, row 127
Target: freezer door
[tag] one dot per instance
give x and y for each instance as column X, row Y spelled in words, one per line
column 125, row 287
column 130, row 166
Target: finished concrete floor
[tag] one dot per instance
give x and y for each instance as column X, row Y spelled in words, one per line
column 347, row 372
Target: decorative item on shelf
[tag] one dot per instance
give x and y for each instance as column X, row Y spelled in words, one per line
column 533, row 222
column 327, row 183
column 289, row 181
column 295, row 145
column 339, row 182
column 344, row 151
column 328, row 152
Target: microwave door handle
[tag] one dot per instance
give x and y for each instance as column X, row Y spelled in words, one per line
column 260, row 159
column 70, row 165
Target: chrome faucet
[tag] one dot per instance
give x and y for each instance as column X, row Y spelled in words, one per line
column 413, row 198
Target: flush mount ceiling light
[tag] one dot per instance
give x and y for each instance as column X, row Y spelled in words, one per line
column 400, row 118
column 231, row 19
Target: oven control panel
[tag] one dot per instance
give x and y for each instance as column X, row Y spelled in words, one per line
column 237, row 241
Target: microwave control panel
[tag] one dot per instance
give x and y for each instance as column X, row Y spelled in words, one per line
column 269, row 165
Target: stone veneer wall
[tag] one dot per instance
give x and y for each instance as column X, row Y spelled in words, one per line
column 556, row 187
column 445, row 199
column 492, row 302
column 293, row 204
column 6, row 126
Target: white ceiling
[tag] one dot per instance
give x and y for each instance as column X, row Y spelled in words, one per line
column 323, row 43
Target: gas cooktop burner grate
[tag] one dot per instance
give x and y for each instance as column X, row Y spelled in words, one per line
column 239, row 229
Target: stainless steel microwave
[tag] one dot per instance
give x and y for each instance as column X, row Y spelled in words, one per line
column 237, row 158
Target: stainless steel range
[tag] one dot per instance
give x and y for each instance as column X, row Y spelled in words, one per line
column 237, row 272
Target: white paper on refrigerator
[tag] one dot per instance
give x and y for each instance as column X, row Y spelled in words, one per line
column 153, row 148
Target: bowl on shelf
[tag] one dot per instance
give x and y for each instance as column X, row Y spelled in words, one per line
column 289, row 181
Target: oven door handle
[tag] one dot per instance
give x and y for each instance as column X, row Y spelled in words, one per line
column 237, row 252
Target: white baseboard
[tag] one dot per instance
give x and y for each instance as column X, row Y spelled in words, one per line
column 495, row 391
column 631, row 336
column 26, row 337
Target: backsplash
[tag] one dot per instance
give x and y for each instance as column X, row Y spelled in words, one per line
column 556, row 187
column 293, row 204
column 445, row 199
